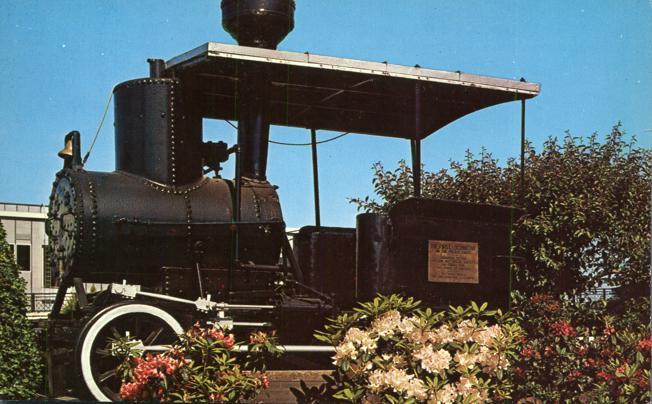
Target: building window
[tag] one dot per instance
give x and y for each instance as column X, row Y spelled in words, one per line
column 24, row 257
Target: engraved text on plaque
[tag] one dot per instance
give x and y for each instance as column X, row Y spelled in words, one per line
column 452, row 261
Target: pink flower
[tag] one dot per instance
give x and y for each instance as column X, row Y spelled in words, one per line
column 609, row 329
column 131, row 391
column 229, row 341
column 527, row 352
column 265, row 381
column 645, row 344
column 170, row 370
column 540, row 298
column 215, row 335
column 622, row 369
column 643, row 382
column 606, row 352
column 563, row 328
column 574, row 375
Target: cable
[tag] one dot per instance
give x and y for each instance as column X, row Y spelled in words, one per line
column 230, row 123
column 300, row 144
column 99, row 127
column 310, row 144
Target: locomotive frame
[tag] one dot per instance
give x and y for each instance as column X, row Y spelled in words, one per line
column 177, row 246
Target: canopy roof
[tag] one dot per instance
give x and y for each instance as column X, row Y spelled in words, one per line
column 347, row 95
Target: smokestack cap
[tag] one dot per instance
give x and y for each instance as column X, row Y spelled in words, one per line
column 258, row 23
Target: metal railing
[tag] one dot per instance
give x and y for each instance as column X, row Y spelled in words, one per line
column 40, row 302
column 599, row 293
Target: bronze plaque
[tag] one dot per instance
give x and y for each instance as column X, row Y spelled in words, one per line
column 452, row 261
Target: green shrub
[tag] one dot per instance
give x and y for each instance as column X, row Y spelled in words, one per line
column 20, row 360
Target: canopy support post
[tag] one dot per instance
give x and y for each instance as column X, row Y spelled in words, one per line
column 522, row 185
column 235, row 229
column 315, row 175
column 416, row 166
column 415, row 142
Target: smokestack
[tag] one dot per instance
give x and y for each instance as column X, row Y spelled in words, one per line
column 258, row 23
column 261, row 24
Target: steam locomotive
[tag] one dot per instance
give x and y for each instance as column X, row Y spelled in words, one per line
column 176, row 245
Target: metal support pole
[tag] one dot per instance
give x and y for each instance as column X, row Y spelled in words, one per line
column 61, row 293
column 416, row 166
column 315, row 175
column 82, row 300
column 287, row 252
column 522, row 190
column 416, row 142
column 235, row 231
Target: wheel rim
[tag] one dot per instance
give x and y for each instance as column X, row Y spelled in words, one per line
column 151, row 325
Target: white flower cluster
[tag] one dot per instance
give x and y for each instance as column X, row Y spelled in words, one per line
column 399, row 381
column 436, row 351
column 431, row 360
column 441, row 335
column 469, row 331
column 390, row 323
column 354, row 342
column 466, row 388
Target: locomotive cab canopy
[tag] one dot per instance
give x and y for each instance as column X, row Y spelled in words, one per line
column 337, row 94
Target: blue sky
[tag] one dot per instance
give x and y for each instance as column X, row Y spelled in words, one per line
column 61, row 60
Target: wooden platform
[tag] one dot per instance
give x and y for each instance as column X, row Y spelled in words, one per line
column 280, row 382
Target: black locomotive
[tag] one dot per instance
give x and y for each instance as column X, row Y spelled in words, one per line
column 176, row 245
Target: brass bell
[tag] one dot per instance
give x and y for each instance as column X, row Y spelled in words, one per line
column 66, row 152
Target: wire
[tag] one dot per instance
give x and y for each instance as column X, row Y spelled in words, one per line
column 99, row 127
column 300, row 144
column 310, row 144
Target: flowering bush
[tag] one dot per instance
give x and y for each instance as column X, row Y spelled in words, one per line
column 201, row 367
column 390, row 350
column 573, row 350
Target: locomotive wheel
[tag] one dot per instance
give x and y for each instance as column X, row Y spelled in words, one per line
column 142, row 322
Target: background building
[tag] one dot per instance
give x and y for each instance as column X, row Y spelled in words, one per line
column 25, row 228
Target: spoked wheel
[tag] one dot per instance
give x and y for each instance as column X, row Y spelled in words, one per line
column 148, row 325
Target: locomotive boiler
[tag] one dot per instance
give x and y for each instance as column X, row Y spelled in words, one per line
column 157, row 209
column 175, row 245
